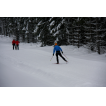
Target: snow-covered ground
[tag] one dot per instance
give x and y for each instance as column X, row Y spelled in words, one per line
column 31, row 66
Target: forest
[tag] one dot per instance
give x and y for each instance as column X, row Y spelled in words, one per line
column 89, row 32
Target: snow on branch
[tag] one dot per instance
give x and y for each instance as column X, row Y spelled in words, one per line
column 50, row 19
column 59, row 25
column 40, row 23
column 56, row 33
column 52, row 23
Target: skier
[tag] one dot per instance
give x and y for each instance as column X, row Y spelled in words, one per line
column 58, row 49
column 17, row 44
column 13, row 43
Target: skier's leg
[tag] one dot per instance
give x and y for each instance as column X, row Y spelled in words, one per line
column 18, row 47
column 62, row 57
column 57, row 58
column 13, row 46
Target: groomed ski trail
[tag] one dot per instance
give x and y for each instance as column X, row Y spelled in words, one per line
column 31, row 66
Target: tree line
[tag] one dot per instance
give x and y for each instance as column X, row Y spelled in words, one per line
column 89, row 32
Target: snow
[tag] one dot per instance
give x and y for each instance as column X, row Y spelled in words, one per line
column 31, row 66
column 36, row 29
column 50, row 19
column 52, row 30
column 52, row 23
column 57, row 32
column 67, row 31
column 40, row 23
column 23, row 28
column 59, row 25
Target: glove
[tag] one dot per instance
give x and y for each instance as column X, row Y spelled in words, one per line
column 53, row 54
column 62, row 52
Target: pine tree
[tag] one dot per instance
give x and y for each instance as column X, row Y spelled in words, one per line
column 94, row 33
column 69, row 30
column 75, row 32
column 96, row 30
column 5, row 21
column 56, row 28
column 31, row 29
column 45, row 35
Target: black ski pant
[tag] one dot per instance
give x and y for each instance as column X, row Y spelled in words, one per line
column 17, row 47
column 13, row 46
column 58, row 53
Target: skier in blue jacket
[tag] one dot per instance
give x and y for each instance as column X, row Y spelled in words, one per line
column 58, row 49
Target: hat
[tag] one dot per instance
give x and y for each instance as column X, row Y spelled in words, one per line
column 55, row 43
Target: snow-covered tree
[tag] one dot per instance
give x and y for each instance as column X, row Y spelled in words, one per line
column 45, row 35
column 94, row 32
column 77, row 31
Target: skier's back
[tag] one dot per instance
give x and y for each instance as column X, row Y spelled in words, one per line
column 58, row 52
column 17, row 44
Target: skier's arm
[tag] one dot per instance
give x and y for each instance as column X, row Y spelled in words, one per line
column 61, row 50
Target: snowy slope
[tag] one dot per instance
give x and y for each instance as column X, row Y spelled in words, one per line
column 31, row 67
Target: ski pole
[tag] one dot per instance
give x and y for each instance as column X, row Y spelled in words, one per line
column 51, row 58
column 65, row 56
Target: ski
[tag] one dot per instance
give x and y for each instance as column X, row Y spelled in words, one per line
column 56, row 63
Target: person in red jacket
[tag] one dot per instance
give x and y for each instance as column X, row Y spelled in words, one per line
column 17, row 44
column 13, row 43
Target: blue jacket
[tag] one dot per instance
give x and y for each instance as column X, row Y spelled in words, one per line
column 57, row 48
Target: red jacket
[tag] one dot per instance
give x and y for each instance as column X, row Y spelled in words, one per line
column 17, row 42
column 13, row 42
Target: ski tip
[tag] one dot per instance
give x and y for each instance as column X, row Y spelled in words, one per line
column 67, row 62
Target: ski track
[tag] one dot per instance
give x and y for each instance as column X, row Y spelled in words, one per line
column 36, row 64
